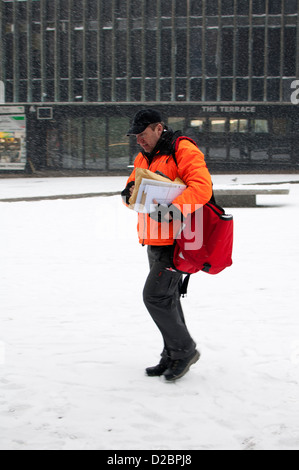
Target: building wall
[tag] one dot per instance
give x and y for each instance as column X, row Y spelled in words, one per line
column 108, row 58
column 149, row 50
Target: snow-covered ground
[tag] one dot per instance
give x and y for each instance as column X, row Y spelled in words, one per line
column 34, row 187
column 43, row 187
column 75, row 337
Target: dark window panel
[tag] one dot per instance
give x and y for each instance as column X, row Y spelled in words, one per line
column 121, row 59
column 92, row 90
column 196, row 52
column 166, row 7
column 136, row 90
column 242, row 85
column 151, row 9
column 64, row 90
column 196, row 89
column 106, row 90
column 7, row 11
column 121, row 8
column 290, row 36
column 151, row 53
column 242, row 52
column 291, row 7
column 227, row 52
column 211, row 52
column 165, row 90
column 136, row 9
column 275, row 7
column 50, row 90
column 257, row 89
column 211, row 90
column 78, row 54
column 107, row 53
column 212, row 8
column 258, row 52
column 8, row 39
column 181, row 8
column 136, row 53
column 64, row 11
column 121, row 90
column 92, row 66
column 50, row 59
column 36, row 50
column 226, row 90
column 77, row 10
column 78, row 90
column 196, row 7
column 22, row 91
column 50, row 10
column 274, row 45
column 150, row 90
column 9, row 92
column 36, row 90
column 91, row 9
column 63, row 47
column 180, row 89
column 243, row 7
column 273, row 89
column 259, row 7
column 181, row 44
column 166, row 53
column 227, row 7
column 106, row 13
column 36, row 11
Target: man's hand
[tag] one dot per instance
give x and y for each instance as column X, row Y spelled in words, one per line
column 164, row 213
column 161, row 213
column 127, row 192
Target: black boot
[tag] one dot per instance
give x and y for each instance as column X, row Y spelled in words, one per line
column 159, row 370
column 178, row 368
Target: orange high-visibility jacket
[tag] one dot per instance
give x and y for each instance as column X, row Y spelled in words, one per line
column 192, row 170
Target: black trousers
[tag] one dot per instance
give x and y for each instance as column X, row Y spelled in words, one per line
column 161, row 296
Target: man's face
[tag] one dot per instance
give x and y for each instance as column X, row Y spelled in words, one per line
column 149, row 138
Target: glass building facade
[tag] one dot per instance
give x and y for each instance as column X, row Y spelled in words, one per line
column 224, row 71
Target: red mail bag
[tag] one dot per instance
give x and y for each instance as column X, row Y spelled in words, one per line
column 205, row 242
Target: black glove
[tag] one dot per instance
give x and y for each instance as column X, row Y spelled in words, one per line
column 126, row 194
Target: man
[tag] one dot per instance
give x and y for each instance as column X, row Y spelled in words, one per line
column 157, row 230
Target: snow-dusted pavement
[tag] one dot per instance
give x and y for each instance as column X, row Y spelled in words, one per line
column 75, row 337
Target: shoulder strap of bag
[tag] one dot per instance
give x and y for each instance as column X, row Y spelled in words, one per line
column 176, row 142
column 184, row 286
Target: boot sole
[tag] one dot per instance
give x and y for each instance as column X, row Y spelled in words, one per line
column 153, row 374
column 193, row 361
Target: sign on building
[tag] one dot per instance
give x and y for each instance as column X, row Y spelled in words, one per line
column 12, row 141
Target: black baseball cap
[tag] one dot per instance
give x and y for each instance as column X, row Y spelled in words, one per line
column 143, row 119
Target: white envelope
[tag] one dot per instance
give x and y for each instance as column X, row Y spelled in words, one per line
column 163, row 193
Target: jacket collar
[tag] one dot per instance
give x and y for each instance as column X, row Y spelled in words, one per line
column 165, row 145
